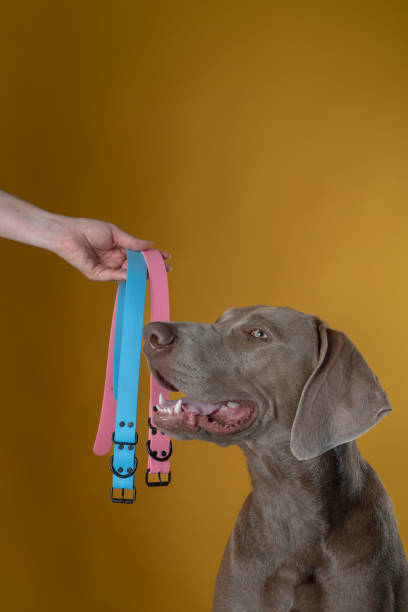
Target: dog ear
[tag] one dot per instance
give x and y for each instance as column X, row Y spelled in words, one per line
column 341, row 400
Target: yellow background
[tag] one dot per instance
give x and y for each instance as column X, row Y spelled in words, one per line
column 264, row 144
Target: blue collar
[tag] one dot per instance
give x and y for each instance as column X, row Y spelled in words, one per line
column 126, row 370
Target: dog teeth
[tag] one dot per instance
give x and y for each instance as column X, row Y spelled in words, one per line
column 223, row 408
column 233, row 404
column 161, row 402
column 175, row 408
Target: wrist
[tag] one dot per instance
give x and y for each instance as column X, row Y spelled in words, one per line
column 58, row 232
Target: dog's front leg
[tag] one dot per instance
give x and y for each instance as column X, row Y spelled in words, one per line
column 248, row 580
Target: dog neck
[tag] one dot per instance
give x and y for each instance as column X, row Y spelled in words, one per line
column 290, row 497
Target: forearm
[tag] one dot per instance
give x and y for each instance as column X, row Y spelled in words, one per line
column 97, row 248
column 26, row 223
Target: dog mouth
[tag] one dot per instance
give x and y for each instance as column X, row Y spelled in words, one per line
column 190, row 415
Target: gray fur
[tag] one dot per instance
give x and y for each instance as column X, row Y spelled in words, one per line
column 318, row 532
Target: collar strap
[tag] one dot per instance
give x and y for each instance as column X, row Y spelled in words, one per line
column 118, row 418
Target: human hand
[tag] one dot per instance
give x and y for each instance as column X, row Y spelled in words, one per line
column 98, row 248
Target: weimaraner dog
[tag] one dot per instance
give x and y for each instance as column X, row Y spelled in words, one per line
column 318, row 532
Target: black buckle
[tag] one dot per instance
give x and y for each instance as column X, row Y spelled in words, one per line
column 152, row 427
column 128, row 474
column 157, row 483
column 123, row 499
column 153, row 453
column 121, row 445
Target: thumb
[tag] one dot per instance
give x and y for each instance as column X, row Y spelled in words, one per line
column 127, row 241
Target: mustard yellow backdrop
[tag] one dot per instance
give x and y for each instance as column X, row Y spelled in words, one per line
column 264, row 144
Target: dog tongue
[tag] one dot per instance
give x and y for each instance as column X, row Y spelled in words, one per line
column 199, row 407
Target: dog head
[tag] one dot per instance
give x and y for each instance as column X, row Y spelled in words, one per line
column 263, row 373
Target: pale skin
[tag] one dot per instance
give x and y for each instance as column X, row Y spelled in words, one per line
column 96, row 248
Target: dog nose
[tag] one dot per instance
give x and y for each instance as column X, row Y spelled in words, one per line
column 159, row 335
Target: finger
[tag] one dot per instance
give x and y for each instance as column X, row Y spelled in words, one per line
column 165, row 254
column 127, row 241
column 125, row 265
column 114, row 258
column 108, row 274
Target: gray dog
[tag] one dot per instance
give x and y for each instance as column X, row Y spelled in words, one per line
column 318, row 531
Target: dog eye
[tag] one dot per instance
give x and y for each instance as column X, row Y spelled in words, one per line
column 258, row 333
